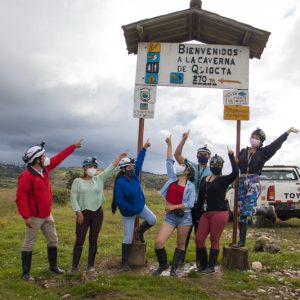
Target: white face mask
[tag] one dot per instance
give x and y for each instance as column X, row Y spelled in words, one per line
column 179, row 170
column 91, row 172
column 254, row 142
column 46, row 161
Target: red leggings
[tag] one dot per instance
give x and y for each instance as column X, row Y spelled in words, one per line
column 212, row 222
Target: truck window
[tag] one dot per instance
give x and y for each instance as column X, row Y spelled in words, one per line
column 278, row 175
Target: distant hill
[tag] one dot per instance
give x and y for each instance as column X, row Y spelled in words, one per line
column 60, row 177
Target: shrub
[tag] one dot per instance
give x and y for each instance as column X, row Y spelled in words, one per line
column 60, row 196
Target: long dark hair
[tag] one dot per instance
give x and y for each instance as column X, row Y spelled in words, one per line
column 113, row 203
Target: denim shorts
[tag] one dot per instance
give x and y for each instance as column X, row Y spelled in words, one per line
column 186, row 220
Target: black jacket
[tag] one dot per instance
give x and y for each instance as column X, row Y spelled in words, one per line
column 260, row 157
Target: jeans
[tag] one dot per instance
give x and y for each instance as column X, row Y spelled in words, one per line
column 128, row 223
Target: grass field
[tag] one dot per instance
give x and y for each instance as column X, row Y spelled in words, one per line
column 109, row 282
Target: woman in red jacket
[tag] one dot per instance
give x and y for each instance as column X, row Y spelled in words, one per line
column 34, row 202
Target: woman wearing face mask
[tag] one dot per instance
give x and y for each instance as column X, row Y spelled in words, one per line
column 128, row 196
column 179, row 192
column 214, row 211
column 87, row 196
column 251, row 161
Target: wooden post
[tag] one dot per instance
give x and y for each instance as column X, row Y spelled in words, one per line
column 139, row 147
column 137, row 254
column 236, row 184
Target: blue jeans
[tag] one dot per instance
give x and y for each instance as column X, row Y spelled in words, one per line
column 128, row 223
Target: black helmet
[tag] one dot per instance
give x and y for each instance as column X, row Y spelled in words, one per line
column 90, row 161
column 260, row 134
column 191, row 175
column 216, row 160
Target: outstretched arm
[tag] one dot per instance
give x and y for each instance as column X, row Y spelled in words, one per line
column 169, row 146
column 178, row 152
column 118, row 159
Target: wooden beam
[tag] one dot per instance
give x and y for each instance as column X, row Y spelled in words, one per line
column 246, row 38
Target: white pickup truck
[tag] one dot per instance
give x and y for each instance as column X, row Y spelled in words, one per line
column 280, row 187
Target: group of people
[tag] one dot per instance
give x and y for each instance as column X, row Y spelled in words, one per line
column 194, row 198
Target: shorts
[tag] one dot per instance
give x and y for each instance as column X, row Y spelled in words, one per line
column 186, row 220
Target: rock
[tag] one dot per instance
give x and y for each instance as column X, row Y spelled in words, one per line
column 261, row 291
column 266, row 244
column 66, row 296
column 257, row 266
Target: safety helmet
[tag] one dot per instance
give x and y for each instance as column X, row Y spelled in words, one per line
column 90, row 161
column 217, row 161
column 260, row 134
column 126, row 161
column 190, row 168
column 34, row 152
column 203, row 149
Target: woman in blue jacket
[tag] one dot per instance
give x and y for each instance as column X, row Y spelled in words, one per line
column 179, row 192
column 128, row 196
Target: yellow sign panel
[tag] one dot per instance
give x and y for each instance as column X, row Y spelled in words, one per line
column 153, row 47
column 236, row 112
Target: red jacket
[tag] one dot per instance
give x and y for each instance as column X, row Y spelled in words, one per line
column 34, row 195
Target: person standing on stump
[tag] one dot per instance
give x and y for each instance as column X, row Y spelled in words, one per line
column 179, row 192
column 34, row 203
column 128, row 196
column 251, row 161
column 87, row 197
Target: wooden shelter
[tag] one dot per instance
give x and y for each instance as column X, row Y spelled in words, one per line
column 195, row 24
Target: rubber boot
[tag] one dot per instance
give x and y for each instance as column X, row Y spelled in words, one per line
column 77, row 250
column 161, row 255
column 26, row 265
column 202, row 258
column 91, row 258
column 52, row 257
column 243, row 234
column 178, row 254
column 268, row 212
column 141, row 230
column 213, row 255
column 125, row 255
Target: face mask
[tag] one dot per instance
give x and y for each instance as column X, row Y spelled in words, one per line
column 202, row 160
column 254, row 142
column 129, row 173
column 216, row 170
column 179, row 170
column 46, row 161
column 91, row 172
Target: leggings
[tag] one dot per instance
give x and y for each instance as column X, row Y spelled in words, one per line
column 92, row 220
column 248, row 193
column 212, row 222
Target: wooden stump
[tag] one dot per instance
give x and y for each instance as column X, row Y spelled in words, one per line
column 137, row 254
column 235, row 258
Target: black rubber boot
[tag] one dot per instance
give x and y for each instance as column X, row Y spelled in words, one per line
column 161, row 255
column 52, row 257
column 268, row 212
column 202, row 258
column 91, row 258
column 141, row 230
column 178, row 254
column 243, row 234
column 26, row 265
column 213, row 255
column 77, row 250
column 125, row 255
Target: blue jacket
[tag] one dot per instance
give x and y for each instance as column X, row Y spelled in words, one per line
column 129, row 195
column 189, row 194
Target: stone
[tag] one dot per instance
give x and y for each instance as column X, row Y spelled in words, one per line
column 257, row 266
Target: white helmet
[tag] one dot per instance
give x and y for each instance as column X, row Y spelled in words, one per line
column 33, row 152
column 126, row 161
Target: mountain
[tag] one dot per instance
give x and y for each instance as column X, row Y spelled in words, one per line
column 63, row 177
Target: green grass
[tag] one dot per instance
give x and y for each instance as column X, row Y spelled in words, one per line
column 110, row 283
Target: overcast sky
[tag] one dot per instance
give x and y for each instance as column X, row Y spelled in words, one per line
column 65, row 74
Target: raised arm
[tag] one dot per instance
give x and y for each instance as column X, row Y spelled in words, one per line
column 178, row 152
